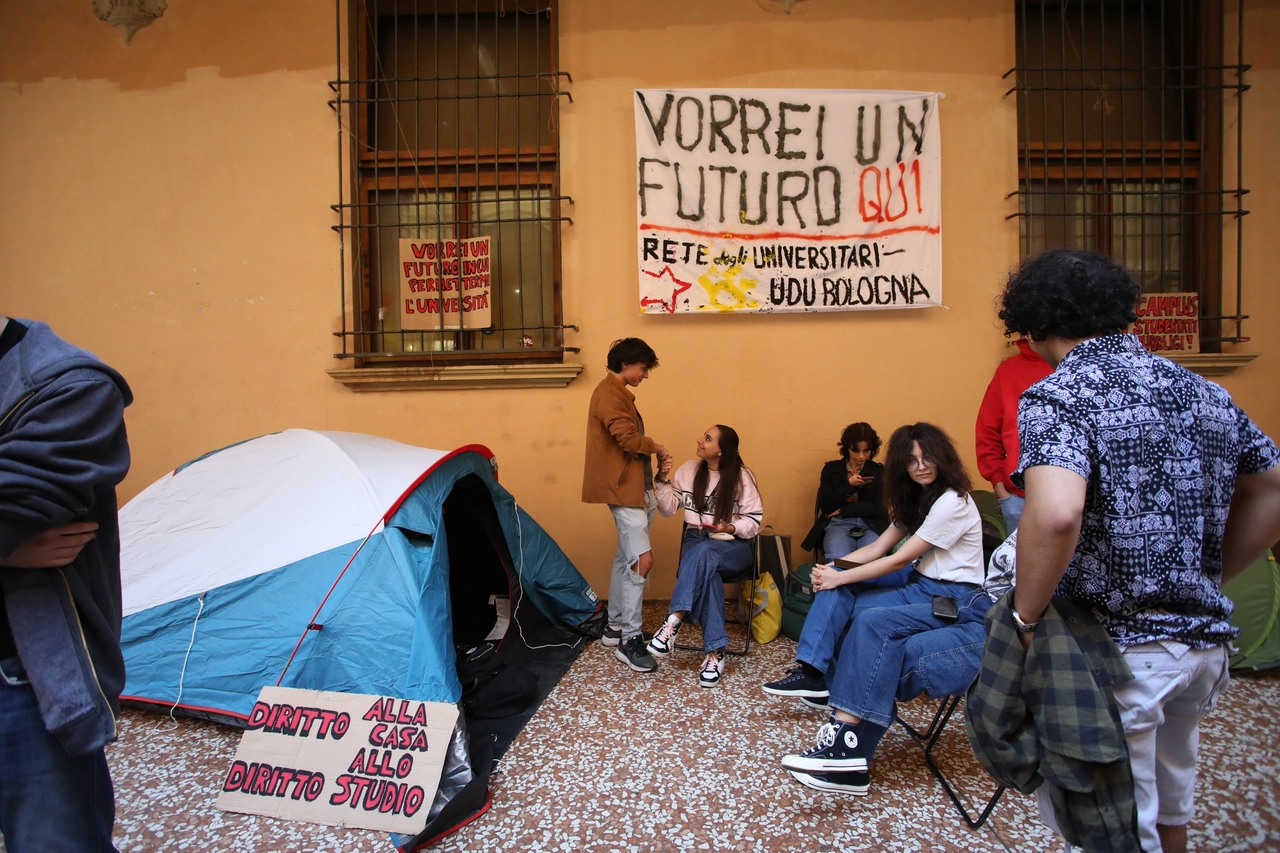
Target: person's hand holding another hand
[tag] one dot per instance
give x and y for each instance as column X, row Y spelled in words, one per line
column 825, row 576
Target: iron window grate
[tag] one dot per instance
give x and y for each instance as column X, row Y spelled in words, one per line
column 448, row 117
column 1122, row 116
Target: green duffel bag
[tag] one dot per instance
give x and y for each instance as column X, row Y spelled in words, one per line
column 797, row 598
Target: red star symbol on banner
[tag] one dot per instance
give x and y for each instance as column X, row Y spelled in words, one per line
column 680, row 287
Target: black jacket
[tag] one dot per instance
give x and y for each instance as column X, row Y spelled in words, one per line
column 835, row 493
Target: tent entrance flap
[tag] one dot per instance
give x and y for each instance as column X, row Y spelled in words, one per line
column 479, row 586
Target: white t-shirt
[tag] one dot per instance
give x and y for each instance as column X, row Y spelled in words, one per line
column 954, row 528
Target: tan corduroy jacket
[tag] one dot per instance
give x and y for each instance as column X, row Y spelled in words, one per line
column 613, row 472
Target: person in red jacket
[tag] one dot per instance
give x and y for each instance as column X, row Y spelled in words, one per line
column 996, row 432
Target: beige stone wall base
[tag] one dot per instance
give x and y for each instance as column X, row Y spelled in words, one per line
column 1212, row 363
column 456, row 377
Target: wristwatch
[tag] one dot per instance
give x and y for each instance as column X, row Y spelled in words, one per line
column 1020, row 626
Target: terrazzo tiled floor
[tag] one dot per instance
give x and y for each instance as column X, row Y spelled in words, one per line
column 617, row 761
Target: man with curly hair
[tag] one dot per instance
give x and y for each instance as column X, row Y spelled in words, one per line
column 1146, row 488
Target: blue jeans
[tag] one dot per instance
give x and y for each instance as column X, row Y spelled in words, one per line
column 49, row 800
column 872, row 658
column 1011, row 509
column 704, row 563
column 831, row 612
column 943, row 662
column 838, row 539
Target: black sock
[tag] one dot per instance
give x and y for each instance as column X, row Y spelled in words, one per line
column 812, row 671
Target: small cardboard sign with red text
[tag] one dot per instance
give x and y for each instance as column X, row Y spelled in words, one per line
column 445, row 284
column 343, row 759
column 1169, row 322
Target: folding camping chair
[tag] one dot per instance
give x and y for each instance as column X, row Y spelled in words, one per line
column 930, row 738
column 748, row 578
column 992, row 536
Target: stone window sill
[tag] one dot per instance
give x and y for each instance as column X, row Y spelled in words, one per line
column 1212, row 363
column 456, row 377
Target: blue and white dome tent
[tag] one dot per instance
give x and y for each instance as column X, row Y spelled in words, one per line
column 344, row 562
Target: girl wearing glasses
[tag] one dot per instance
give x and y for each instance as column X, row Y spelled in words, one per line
column 926, row 490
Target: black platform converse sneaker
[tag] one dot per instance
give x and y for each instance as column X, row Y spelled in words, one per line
column 837, row 751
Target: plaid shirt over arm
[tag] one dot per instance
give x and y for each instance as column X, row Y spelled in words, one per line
column 1047, row 715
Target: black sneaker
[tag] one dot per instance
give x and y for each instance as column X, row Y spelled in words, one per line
column 837, row 751
column 820, row 704
column 857, row 784
column 613, row 636
column 632, row 653
column 797, row 684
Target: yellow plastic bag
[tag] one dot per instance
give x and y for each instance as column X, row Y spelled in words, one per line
column 765, row 608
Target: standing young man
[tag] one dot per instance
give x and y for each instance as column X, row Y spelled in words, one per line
column 63, row 450
column 1146, row 487
column 619, row 472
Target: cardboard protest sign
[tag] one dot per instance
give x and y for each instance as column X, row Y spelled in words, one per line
column 1169, row 322
column 769, row 200
column 445, row 284
column 344, row 759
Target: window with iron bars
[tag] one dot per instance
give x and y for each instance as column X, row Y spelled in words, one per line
column 1122, row 106
column 449, row 114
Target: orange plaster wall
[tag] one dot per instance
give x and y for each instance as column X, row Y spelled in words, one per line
column 167, row 206
column 1254, row 386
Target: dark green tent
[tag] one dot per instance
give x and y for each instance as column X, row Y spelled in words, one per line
column 1256, row 594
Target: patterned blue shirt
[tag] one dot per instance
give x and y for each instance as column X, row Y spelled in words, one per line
column 1160, row 449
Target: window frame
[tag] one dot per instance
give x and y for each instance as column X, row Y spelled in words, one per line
column 1093, row 164
column 366, row 172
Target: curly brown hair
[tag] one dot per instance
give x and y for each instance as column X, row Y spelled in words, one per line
column 909, row 502
column 855, row 433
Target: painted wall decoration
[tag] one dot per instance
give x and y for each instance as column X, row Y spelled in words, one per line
column 770, row 200
column 445, row 284
column 1169, row 322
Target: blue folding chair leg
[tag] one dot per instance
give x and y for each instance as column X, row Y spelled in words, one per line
column 930, row 738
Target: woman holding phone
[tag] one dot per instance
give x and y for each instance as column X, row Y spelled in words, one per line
column 927, row 495
column 722, row 512
column 851, row 510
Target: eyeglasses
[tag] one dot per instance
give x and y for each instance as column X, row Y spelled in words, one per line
column 920, row 462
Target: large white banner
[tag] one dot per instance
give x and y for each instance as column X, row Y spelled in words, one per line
column 764, row 200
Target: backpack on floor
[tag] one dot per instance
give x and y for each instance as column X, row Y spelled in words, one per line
column 797, row 598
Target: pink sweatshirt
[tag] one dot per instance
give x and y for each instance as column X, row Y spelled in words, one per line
column 677, row 494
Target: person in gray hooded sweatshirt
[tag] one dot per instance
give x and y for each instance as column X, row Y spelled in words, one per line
column 63, row 450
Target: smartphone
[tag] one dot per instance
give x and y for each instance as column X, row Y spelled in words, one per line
column 944, row 608
column 845, row 564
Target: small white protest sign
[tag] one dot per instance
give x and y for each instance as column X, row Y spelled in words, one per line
column 343, row 759
column 1169, row 322
column 445, row 284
